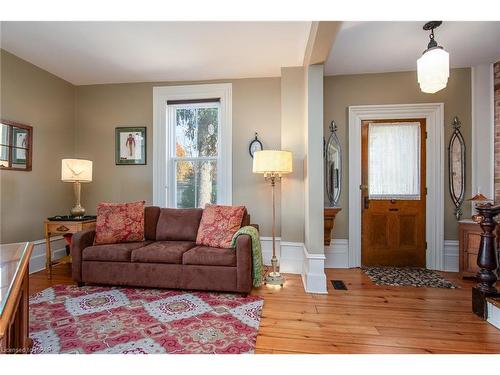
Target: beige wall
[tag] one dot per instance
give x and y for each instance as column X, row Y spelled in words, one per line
column 32, row 96
column 101, row 108
column 398, row 88
column 292, row 139
column 79, row 121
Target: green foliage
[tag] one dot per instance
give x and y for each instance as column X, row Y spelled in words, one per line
column 201, row 132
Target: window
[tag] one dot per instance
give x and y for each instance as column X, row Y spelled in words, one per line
column 195, row 153
column 192, row 145
column 394, row 160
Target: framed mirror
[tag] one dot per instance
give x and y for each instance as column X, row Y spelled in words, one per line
column 16, row 142
column 333, row 167
column 456, row 167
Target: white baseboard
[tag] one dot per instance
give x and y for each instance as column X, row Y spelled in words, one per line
column 337, row 254
column 451, row 256
column 313, row 274
column 37, row 260
column 294, row 258
column 266, row 244
column 493, row 315
column 290, row 254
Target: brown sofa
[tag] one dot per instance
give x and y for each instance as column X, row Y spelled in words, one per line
column 167, row 258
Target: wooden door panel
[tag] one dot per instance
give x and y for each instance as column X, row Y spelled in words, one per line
column 408, row 228
column 393, row 230
column 379, row 231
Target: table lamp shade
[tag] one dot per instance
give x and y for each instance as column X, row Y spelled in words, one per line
column 76, row 170
column 272, row 161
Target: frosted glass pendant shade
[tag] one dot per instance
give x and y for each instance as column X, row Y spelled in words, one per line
column 433, row 70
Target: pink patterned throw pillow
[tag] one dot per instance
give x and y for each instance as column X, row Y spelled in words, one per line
column 219, row 224
column 119, row 222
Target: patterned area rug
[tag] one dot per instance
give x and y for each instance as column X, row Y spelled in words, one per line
column 68, row 319
column 407, row 276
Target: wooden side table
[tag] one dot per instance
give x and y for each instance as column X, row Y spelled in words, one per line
column 58, row 228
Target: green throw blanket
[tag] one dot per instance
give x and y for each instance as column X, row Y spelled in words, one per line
column 257, row 263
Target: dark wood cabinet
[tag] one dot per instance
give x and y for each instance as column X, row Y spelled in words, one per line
column 469, row 234
column 469, row 238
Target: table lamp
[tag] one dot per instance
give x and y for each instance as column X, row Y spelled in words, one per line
column 273, row 164
column 76, row 171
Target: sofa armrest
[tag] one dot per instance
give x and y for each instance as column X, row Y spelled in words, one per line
column 256, row 226
column 244, row 263
column 80, row 241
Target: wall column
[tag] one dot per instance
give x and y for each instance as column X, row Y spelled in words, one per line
column 314, row 274
column 483, row 130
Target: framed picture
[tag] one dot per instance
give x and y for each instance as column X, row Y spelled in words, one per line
column 130, row 146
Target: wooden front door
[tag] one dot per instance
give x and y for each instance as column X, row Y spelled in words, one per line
column 393, row 192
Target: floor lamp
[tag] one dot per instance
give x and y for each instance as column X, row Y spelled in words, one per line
column 273, row 165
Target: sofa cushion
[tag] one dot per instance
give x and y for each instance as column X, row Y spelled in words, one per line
column 151, row 215
column 219, row 224
column 162, row 252
column 177, row 224
column 210, row 256
column 119, row 252
column 119, row 222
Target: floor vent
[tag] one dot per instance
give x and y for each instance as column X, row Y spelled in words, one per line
column 339, row 285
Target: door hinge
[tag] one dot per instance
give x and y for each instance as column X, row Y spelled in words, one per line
column 425, row 135
column 425, row 191
column 425, row 245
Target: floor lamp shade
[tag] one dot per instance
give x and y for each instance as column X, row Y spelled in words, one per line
column 272, row 161
column 73, row 170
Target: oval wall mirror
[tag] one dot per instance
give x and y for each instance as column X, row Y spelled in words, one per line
column 333, row 167
column 456, row 167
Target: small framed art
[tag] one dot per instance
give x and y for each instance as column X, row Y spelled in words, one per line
column 130, row 146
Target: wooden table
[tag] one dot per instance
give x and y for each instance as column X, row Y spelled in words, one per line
column 58, row 228
column 14, row 297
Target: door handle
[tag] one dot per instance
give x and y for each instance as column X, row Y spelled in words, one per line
column 367, row 202
column 393, row 209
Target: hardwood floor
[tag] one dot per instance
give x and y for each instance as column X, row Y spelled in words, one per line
column 364, row 319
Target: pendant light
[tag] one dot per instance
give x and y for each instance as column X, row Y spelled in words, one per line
column 433, row 67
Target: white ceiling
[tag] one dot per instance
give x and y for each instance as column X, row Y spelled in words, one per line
column 376, row 47
column 113, row 52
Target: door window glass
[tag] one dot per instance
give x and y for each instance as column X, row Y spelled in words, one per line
column 394, row 160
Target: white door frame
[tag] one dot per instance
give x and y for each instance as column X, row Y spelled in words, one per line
column 434, row 227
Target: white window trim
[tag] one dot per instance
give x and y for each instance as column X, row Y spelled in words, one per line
column 161, row 136
column 434, row 115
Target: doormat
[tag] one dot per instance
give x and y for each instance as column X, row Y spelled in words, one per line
column 68, row 319
column 338, row 285
column 407, row 276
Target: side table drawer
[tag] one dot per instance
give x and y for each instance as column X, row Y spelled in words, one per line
column 62, row 228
